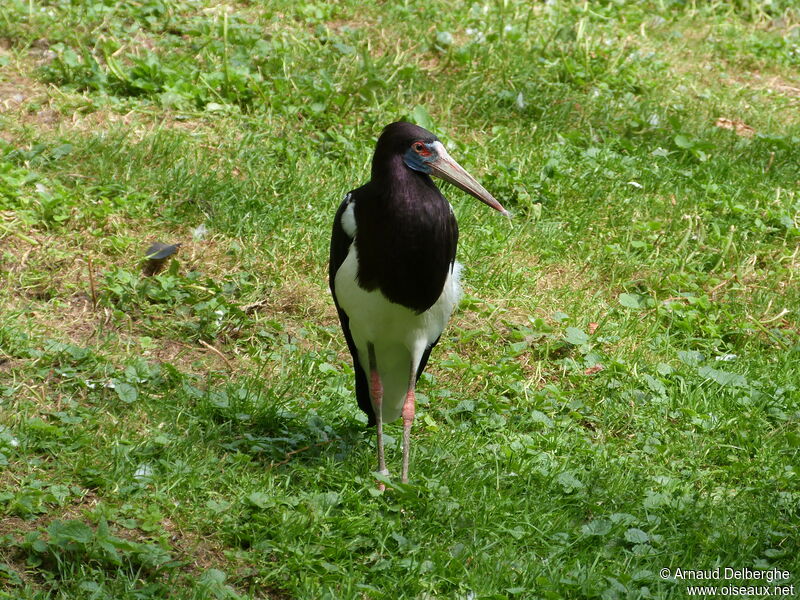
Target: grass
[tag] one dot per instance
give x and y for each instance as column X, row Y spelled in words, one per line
column 618, row 393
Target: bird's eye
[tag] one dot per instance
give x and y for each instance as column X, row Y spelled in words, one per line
column 420, row 148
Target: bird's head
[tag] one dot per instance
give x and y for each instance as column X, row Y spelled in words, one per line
column 422, row 152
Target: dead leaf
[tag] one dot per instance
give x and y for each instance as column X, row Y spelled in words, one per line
column 738, row 127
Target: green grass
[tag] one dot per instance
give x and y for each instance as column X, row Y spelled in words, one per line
column 618, row 393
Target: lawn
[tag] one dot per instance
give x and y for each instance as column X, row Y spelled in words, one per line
column 616, row 399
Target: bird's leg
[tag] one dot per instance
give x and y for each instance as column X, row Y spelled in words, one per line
column 376, row 393
column 376, row 389
column 408, row 419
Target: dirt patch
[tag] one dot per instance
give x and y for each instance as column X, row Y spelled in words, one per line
column 79, row 114
column 28, row 102
column 23, row 99
column 18, row 90
column 694, row 62
column 18, row 527
column 202, row 552
column 9, row 364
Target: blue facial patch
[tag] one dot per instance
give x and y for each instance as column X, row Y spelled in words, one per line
column 417, row 162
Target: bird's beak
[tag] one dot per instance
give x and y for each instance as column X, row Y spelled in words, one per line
column 448, row 169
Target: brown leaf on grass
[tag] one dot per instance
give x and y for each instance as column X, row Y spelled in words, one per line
column 738, row 127
column 593, row 370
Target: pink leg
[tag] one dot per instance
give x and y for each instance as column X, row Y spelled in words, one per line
column 408, row 419
column 376, row 393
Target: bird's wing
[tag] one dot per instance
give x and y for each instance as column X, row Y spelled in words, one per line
column 453, row 245
column 340, row 246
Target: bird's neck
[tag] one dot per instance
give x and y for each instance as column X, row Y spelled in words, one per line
column 400, row 187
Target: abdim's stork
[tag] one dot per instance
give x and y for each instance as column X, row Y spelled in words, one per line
column 393, row 273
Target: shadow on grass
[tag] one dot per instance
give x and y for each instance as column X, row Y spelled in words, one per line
column 252, row 417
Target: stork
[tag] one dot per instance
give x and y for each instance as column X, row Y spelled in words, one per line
column 393, row 271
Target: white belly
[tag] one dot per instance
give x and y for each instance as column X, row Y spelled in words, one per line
column 398, row 334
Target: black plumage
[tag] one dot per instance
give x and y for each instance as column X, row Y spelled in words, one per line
column 406, row 241
column 405, row 218
column 398, row 235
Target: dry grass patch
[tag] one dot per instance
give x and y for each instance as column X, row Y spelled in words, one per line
column 694, row 63
column 299, row 300
column 49, row 287
column 28, row 106
column 774, row 83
